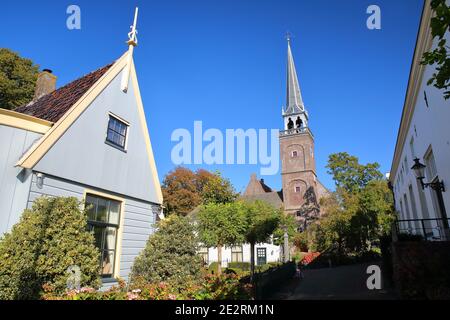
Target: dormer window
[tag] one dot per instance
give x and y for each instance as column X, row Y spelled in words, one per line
column 117, row 132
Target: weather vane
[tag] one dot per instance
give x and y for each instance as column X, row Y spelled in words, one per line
column 132, row 42
column 132, row 35
column 288, row 36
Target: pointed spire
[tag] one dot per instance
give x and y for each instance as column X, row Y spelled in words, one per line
column 294, row 102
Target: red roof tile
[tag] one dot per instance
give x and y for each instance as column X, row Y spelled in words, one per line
column 53, row 106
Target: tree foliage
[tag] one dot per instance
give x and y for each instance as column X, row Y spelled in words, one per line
column 17, row 79
column 349, row 174
column 170, row 254
column 357, row 214
column 262, row 219
column 49, row 238
column 440, row 25
column 221, row 224
column 184, row 190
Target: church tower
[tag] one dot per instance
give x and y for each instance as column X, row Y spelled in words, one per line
column 298, row 166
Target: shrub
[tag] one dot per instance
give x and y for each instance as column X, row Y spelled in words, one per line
column 213, row 268
column 49, row 238
column 170, row 254
column 245, row 266
column 226, row 286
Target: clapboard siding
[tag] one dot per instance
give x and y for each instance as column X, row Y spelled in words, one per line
column 14, row 181
column 138, row 221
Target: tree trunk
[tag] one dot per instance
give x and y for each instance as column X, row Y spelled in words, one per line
column 252, row 261
column 219, row 258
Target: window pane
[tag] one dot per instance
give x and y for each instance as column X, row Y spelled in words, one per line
column 114, row 210
column 110, row 243
column 99, row 236
column 102, row 210
column 108, row 262
column 90, row 205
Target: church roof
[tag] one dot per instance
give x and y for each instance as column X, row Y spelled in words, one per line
column 54, row 105
column 294, row 101
column 275, row 198
column 256, row 186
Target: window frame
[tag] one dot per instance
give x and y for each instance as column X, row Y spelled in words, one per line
column 239, row 253
column 105, row 225
column 125, row 137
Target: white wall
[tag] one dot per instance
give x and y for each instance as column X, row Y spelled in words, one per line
column 430, row 127
column 273, row 253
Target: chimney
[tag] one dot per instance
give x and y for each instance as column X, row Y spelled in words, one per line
column 262, row 180
column 45, row 84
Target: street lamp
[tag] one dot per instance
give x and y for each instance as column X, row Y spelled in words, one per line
column 419, row 171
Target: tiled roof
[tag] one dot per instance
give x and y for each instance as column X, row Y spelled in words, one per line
column 53, row 106
column 275, row 198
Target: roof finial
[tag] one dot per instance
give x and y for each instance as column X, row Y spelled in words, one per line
column 288, row 36
column 132, row 36
column 132, row 42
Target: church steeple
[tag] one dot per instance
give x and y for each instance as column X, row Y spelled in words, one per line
column 294, row 113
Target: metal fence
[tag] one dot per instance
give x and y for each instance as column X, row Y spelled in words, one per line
column 429, row 229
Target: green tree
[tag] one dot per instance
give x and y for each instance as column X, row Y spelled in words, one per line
column 49, row 238
column 440, row 25
column 262, row 220
column 349, row 174
column 218, row 190
column 221, row 224
column 357, row 214
column 17, row 79
column 170, row 254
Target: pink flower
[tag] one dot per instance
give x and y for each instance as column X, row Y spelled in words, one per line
column 136, row 291
column 172, row 297
column 132, row 296
column 87, row 290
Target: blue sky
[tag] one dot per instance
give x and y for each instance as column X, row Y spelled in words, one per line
column 223, row 62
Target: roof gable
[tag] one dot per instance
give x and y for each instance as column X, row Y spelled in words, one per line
column 45, row 145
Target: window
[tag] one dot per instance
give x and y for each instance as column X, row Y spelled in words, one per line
column 411, row 146
column 297, row 189
column 431, row 165
column 117, row 132
column 236, row 254
column 103, row 222
column 203, row 252
column 294, row 154
column 261, row 256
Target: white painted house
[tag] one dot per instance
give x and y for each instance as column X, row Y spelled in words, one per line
column 423, row 204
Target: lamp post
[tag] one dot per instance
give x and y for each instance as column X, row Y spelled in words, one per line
column 419, row 171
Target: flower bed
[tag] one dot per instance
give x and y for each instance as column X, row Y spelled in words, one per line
column 227, row 286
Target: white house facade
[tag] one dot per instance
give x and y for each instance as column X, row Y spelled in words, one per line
column 423, row 139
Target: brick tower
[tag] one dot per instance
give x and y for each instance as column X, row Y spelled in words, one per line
column 298, row 166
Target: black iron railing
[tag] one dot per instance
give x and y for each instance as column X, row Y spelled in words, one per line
column 429, row 229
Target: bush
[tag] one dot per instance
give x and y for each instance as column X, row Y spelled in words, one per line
column 49, row 238
column 210, row 288
column 170, row 254
column 410, row 237
column 245, row 266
